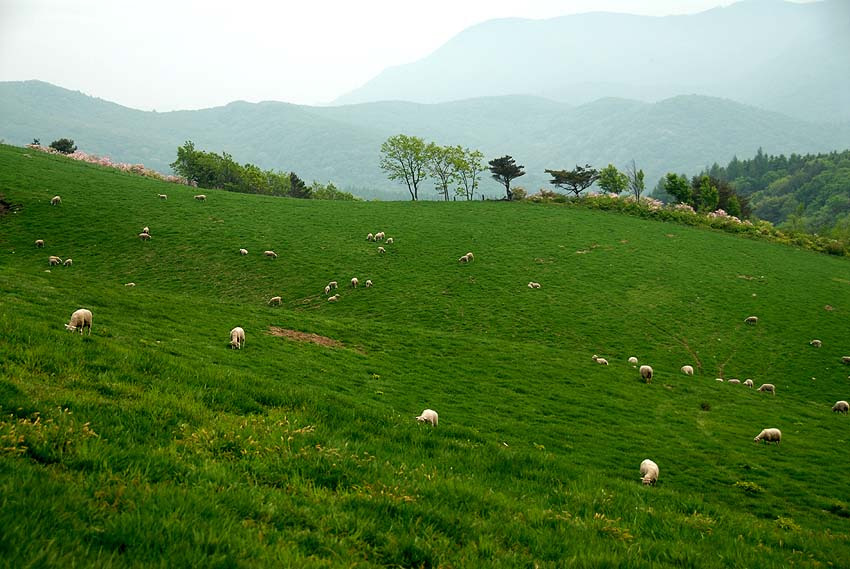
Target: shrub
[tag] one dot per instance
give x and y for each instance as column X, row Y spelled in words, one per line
column 749, row 487
column 64, row 145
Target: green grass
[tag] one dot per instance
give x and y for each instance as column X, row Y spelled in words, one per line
column 150, row 443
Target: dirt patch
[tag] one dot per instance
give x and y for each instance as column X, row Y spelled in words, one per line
column 305, row 337
column 6, row 207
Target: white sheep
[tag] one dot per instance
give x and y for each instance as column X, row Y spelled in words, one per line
column 816, row 343
column 719, row 380
column 748, row 383
column 633, row 360
column 201, row 197
column 533, row 284
column 271, row 254
column 648, row 472
column 370, row 237
column 688, row 370
column 163, row 196
column 243, row 251
column 600, row 361
column 333, row 298
column 368, row 284
column 54, row 260
column 145, row 236
column 646, row 373
column 845, row 360
column 428, row 416
column 39, row 243
column 146, row 229
column 463, row 259
column 390, row 241
column 328, row 289
column 237, row 338
column 68, row 262
column 333, row 284
column 841, row 407
column 734, row 381
column 354, row 282
column 379, row 236
column 275, row 300
column 381, row 250
column 769, row 436
column 470, row 256
column 751, row 319
column 55, row 200
column 767, row 388
column 130, row 284
column 80, row 319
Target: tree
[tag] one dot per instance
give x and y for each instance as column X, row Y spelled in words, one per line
column 575, row 181
column 504, row 170
column 64, row 145
column 678, row 187
column 636, row 180
column 297, row 187
column 612, row 180
column 440, row 165
column 36, row 142
column 468, row 165
column 403, row 158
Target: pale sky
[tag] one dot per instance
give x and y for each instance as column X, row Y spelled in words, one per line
column 190, row 54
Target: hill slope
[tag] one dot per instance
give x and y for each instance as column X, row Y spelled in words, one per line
column 150, row 443
column 768, row 53
column 342, row 144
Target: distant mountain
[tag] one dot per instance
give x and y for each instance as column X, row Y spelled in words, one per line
column 782, row 56
column 342, row 144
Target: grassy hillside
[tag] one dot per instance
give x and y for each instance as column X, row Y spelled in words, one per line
column 150, row 443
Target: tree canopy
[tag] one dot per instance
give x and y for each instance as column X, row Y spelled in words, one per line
column 505, row 169
column 576, row 180
column 404, row 158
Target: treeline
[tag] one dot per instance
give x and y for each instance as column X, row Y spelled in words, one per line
column 214, row 171
column 703, row 193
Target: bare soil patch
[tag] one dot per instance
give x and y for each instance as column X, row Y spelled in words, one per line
column 305, row 337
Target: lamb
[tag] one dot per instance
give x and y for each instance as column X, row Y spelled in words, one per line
column 688, row 370
column 130, row 284
column 271, row 254
column 648, row 472
column 748, row 383
column 379, row 236
column 368, row 284
column 333, row 284
column 768, row 387
column 845, row 360
column 54, row 260
column 463, row 259
column 633, row 360
column 237, row 338
column 39, row 243
column 816, row 343
column 145, row 236
column 163, row 196
column 333, row 298
column 428, row 416
column 381, row 250
column 600, row 361
column 389, row 240
column 327, row 289
column 751, row 319
column 769, row 436
column 370, row 237
column 146, row 229
column 841, row 407
column 80, row 319
column 276, row 300
column 68, row 262
column 243, row 251
column 354, row 282
column 533, row 284
column 734, row 381
column 201, row 197
column 646, row 373
column 55, row 200
column 470, row 256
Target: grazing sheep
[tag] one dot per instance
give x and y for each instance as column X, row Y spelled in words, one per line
column 327, row 289
column 767, row 388
column 39, row 243
column 816, row 343
column 333, row 298
column 463, row 259
column 276, row 300
column 68, row 262
column 751, row 319
column 333, row 284
column 428, row 416
column 633, row 360
column 55, row 200
column 769, row 436
column 390, row 241
column 163, row 196
column 470, row 256
column 54, row 260
column 146, row 229
column 533, row 284
column 646, row 373
column 845, row 360
column 80, row 319
column 354, row 282
column 237, row 338
column 381, row 250
column 841, row 407
column 719, row 379
column 130, row 284
column 243, row 251
column 370, row 237
column 368, row 284
column 688, row 370
column 145, row 236
column 748, row 383
column 734, row 381
column 600, row 361
column 379, row 236
column 648, row 472
column 271, row 254
column 201, row 197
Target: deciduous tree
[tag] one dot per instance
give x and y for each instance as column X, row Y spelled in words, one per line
column 403, row 158
column 612, row 180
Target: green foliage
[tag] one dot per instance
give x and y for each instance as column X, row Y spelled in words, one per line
column 64, row 145
column 468, row 165
column 442, row 163
column 404, row 158
column 577, row 180
column 706, row 195
column 503, row 170
column 297, row 187
column 637, row 180
column 678, row 188
column 612, row 181
column 319, row 191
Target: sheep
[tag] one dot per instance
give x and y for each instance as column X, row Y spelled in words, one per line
column 767, row 387
column 463, row 259
column 271, row 254
column 390, row 241
column 633, row 360
column 276, row 300
column 80, row 319
column 648, row 472
column 327, row 289
column 719, row 379
column 55, row 200
column 816, row 343
column 428, row 416
column 163, row 196
column 145, row 236
column 379, row 236
column 54, row 260
column 68, row 262
column 688, row 370
column 130, row 284
column 734, row 381
column 769, row 436
column 333, row 298
column 533, row 284
column 39, row 243
column 370, row 237
column 470, row 256
column 237, row 338
column 381, row 250
column 748, row 383
column 333, row 284
column 368, row 284
column 243, row 251
column 146, row 229
column 751, row 319
column 600, row 361
column 841, row 407
column 201, row 197
column 646, row 373
column 845, row 360
column 354, row 282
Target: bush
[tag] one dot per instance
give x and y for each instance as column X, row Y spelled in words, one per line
column 64, row 145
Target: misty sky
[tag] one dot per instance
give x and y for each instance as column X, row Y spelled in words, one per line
column 189, row 54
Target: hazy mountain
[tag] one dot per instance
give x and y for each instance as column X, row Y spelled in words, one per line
column 341, row 144
column 782, row 56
